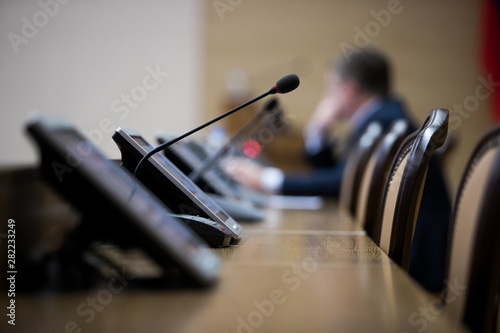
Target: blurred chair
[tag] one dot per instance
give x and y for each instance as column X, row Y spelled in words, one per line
column 474, row 240
column 404, row 186
column 375, row 175
column 355, row 166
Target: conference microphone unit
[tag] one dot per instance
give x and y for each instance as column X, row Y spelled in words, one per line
column 269, row 108
column 284, row 85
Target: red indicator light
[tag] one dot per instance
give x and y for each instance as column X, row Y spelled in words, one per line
column 251, row 148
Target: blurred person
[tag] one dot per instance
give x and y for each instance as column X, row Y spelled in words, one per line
column 358, row 90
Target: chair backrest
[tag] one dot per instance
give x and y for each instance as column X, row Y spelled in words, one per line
column 404, row 186
column 474, row 240
column 447, row 148
column 355, row 165
column 375, row 174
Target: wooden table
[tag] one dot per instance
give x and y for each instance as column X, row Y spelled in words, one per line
column 297, row 271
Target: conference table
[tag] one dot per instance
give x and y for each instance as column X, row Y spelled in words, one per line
column 296, row 271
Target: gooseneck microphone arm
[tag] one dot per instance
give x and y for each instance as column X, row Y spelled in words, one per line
column 284, row 85
column 171, row 142
column 207, row 164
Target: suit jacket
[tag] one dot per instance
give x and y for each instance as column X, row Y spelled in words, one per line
column 428, row 254
column 326, row 179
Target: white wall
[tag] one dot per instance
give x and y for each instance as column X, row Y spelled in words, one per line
column 83, row 56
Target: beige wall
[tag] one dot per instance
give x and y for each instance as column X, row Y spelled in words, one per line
column 434, row 45
column 92, row 52
column 85, row 54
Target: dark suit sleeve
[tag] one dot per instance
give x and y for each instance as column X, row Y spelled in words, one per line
column 322, row 182
column 322, row 159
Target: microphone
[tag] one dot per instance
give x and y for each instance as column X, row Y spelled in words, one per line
column 270, row 107
column 284, row 85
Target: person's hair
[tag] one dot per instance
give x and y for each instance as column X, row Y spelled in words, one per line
column 369, row 67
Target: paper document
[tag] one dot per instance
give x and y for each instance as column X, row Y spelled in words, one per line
column 295, row 202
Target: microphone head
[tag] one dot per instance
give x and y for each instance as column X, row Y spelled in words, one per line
column 286, row 84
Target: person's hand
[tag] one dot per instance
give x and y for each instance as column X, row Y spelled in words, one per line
column 244, row 171
column 327, row 112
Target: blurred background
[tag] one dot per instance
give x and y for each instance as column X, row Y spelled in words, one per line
column 172, row 64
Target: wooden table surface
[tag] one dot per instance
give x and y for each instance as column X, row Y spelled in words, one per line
column 297, row 271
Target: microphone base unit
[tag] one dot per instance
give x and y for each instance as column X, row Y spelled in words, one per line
column 177, row 191
column 100, row 189
column 215, row 234
column 241, row 210
column 220, row 187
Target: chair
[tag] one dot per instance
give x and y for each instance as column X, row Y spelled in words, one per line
column 474, row 240
column 355, row 165
column 375, row 174
column 404, row 186
column 447, row 148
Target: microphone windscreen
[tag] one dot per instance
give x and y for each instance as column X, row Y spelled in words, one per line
column 286, row 84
